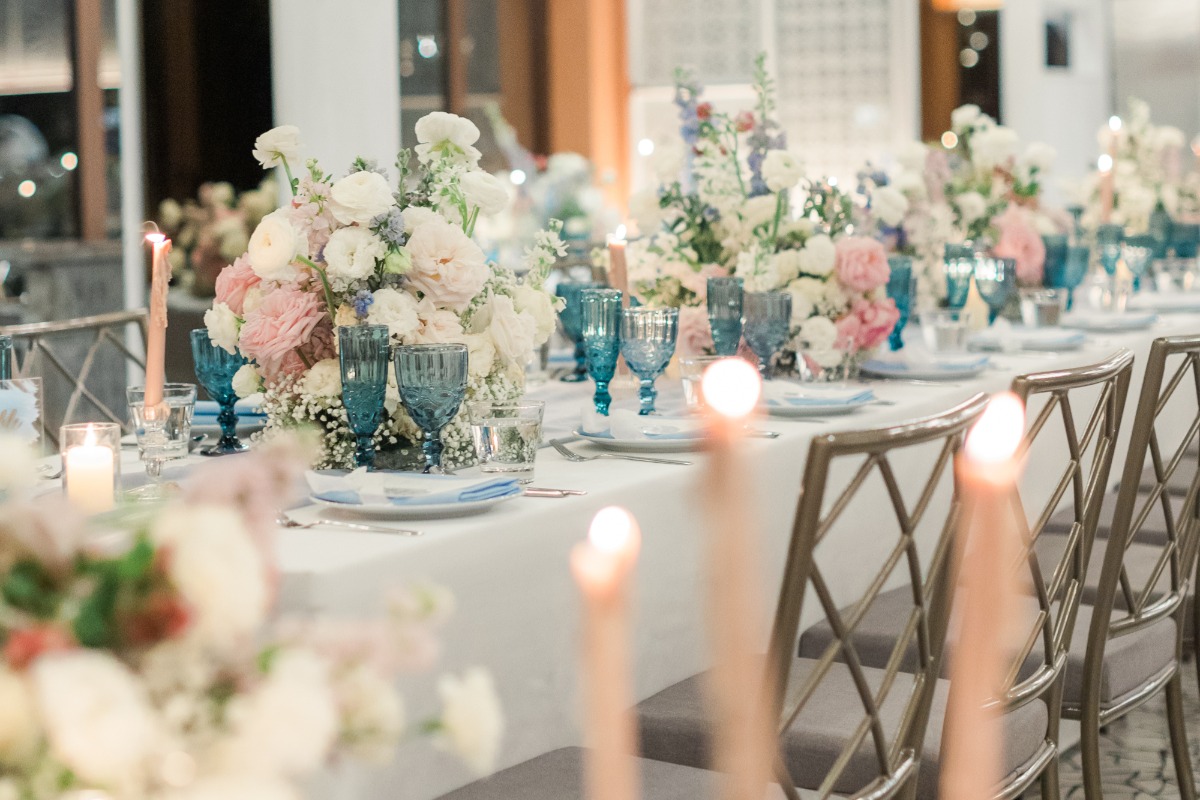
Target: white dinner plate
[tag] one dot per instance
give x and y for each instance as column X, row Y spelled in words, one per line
column 785, row 410
column 1108, row 322
column 947, row 371
column 642, row 445
column 1167, row 303
column 1032, row 339
column 414, row 511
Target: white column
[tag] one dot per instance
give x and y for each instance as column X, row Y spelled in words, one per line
column 336, row 75
column 133, row 247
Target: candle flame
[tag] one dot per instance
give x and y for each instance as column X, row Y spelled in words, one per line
column 612, row 530
column 156, row 238
column 619, row 235
column 1114, row 123
column 997, row 434
column 731, row 387
column 1104, row 162
column 89, row 439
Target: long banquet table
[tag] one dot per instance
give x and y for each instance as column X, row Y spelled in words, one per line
column 516, row 605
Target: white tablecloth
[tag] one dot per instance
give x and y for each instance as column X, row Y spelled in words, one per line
column 517, row 607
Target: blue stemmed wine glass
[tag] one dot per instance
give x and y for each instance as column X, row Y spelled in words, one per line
column 215, row 368
column 901, row 288
column 432, row 379
column 1137, row 252
column 1108, row 243
column 768, row 324
column 724, row 314
column 1069, row 271
column 601, row 316
column 571, row 292
column 648, row 341
column 363, row 355
column 6, row 357
column 997, row 280
column 1185, row 239
column 958, row 261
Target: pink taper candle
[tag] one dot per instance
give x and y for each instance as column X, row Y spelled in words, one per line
column 603, row 569
column 618, row 270
column 1108, row 170
column 972, row 740
column 739, row 686
column 156, row 340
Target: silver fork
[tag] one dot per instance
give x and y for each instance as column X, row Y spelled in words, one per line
column 287, row 522
column 570, row 455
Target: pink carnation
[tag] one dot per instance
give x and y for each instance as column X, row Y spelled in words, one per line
column 695, row 335
column 1020, row 241
column 861, row 263
column 234, row 281
column 279, row 327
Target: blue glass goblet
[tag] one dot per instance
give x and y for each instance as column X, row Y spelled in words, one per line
column 1108, row 246
column 959, row 264
column 363, row 355
column 215, row 368
column 1185, row 239
column 997, row 280
column 648, row 341
column 768, row 325
column 724, row 314
column 1069, row 271
column 601, row 315
column 6, row 357
column 901, row 288
column 432, row 379
column 572, row 323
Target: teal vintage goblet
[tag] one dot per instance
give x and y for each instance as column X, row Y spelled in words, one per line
column 572, row 322
column 1108, row 246
column 432, row 379
column 601, row 317
column 6, row 357
column 997, row 280
column 725, row 314
column 959, row 264
column 1185, row 239
column 901, row 287
column 1069, row 271
column 648, row 338
column 768, row 325
column 215, row 368
column 363, row 356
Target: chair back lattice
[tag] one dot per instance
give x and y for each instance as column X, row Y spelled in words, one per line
column 77, row 359
column 1166, row 428
column 920, row 555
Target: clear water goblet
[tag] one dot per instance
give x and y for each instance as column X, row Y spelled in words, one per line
column 1108, row 245
column 163, row 432
column 1138, row 252
column 648, row 338
column 432, row 379
column 724, row 314
column 215, row 368
column 363, row 357
column 997, row 280
column 601, row 315
column 958, row 263
column 768, row 325
column 572, row 323
column 901, row 287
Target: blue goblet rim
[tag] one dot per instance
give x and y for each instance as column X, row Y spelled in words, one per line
column 579, row 287
column 601, row 294
column 352, row 329
column 448, row 347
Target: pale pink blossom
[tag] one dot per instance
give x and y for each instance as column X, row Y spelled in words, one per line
column 696, row 282
column 861, row 263
column 447, row 267
column 234, row 281
column 849, row 328
column 276, row 329
column 1020, row 241
column 876, row 321
column 695, row 335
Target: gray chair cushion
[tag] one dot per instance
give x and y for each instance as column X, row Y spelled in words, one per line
column 1178, row 483
column 674, row 728
column 1130, row 661
column 1153, row 530
column 558, row 775
column 1140, row 560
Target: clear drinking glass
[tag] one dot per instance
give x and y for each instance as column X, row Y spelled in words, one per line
column 997, row 280
column 432, row 379
column 507, row 436
column 1043, row 308
column 6, row 357
column 91, row 459
column 958, row 280
column 572, row 322
column 691, row 370
column 363, row 356
column 901, row 287
column 215, row 368
column 1108, row 245
column 768, row 324
column 163, row 431
column 648, row 338
column 945, row 331
column 724, row 314
column 601, row 318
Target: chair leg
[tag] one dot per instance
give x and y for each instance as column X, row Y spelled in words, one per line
column 1050, row 784
column 1179, row 740
column 1089, row 751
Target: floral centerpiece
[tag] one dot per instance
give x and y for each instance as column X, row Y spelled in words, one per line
column 733, row 201
column 359, row 249
column 138, row 660
column 213, row 230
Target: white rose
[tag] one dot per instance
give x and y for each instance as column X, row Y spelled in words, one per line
column 448, row 267
column 481, row 353
column 97, row 718
column 223, row 326
column 802, row 304
column 994, row 147
column 1039, row 156
column 397, row 310
column 360, row 197
column 247, row 381
column 971, row 206
column 19, row 726
column 372, row 714
column 472, row 721
column 278, row 145
column 352, row 254
column 964, row 117
column 913, row 155
column 538, row 305
column 512, row 331
column 889, row 205
column 484, row 190
column 818, row 255
column 437, row 325
column 781, row 170
column 442, row 135
column 218, row 569
column 323, row 379
column 273, row 247
column 416, row 216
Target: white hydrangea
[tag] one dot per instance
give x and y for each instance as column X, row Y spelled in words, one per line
column 819, row 335
column 965, row 117
column 802, row 302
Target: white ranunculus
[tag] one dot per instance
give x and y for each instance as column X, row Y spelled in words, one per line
column 19, row 728
column 1039, row 156
column 217, row 569
column 472, row 721
column 96, row 715
column 275, row 146
column 781, row 170
column 818, row 255
column 913, row 155
column 802, row 304
column 481, row 353
column 512, row 331
column 323, row 379
column 971, row 206
column 223, row 326
column 247, row 381
column 964, row 117
column 443, row 135
column 273, row 247
column 484, row 190
column 372, row 714
column 539, row 306
column 360, row 197
column 352, row 254
column 397, row 310
column 889, row 205
column 448, row 267
column 994, row 147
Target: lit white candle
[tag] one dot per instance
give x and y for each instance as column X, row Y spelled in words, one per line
column 603, row 568
column 988, row 551
column 156, row 339
column 89, row 476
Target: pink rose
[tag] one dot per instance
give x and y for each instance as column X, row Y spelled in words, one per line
column 861, row 263
column 234, row 281
column 276, row 329
column 696, row 282
column 849, row 328
column 1020, row 241
column 695, row 336
column 876, row 321
column 448, row 268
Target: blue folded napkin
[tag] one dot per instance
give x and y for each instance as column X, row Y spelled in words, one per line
column 250, row 407
column 407, row 489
